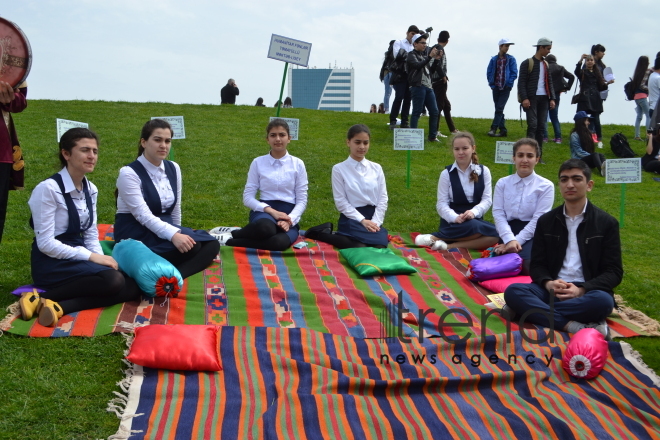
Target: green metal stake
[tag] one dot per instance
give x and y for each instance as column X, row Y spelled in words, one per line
column 623, row 203
column 408, row 176
column 279, row 102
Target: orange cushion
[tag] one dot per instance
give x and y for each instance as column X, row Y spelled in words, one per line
column 176, row 347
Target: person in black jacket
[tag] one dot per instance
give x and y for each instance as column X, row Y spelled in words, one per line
column 418, row 65
column 536, row 91
column 229, row 92
column 591, row 84
column 557, row 73
column 576, row 261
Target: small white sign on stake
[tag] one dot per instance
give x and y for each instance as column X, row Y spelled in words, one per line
column 504, row 152
column 289, row 50
column 294, row 126
column 409, row 139
column 177, row 125
column 64, row 125
column 623, row 170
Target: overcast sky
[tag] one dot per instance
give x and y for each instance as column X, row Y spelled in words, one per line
column 184, row 52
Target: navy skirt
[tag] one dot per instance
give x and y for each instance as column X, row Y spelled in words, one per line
column 456, row 231
column 356, row 230
column 281, row 206
column 126, row 226
column 48, row 272
column 517, row 226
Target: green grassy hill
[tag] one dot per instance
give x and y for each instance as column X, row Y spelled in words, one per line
column 58, row 388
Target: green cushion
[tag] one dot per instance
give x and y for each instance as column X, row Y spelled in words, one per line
column 368, row 261
column 107, row 246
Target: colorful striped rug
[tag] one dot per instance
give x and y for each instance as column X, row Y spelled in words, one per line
column 299, row 383
column 313, row 288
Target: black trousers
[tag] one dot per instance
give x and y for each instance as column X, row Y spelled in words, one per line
column 537, row 115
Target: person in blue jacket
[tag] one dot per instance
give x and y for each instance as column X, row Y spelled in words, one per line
column 502, row 73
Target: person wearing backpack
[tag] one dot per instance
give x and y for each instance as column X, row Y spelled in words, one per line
column 557, row 73
column 640, row 90
column 386, row 75
column 399, row 78
column 582, row 144
column 501, row 73
column 536, row 92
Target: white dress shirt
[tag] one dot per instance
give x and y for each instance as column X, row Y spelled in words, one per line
column 402, row 44
column 51, row 218
column 571, row 269
column 446, row 194
column 356, row 184
column 524, row 199
column 283, row 179
column 130, row 198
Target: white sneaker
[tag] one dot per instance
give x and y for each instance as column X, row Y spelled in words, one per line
column 223, row 237
column 439, row 245
column 600, row 145
column 222, row 229
column 425, row 240
column 442, row 135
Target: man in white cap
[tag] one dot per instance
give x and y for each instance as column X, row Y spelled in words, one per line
column 501, row 74
column 535, row 90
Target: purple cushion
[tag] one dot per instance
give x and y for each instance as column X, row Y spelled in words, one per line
column 28, row 288
column 507, row 265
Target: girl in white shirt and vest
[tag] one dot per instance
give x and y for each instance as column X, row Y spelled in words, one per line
column 360, row 193
column 149, row 205
column 519, row 200
column 464, row 196
column 281, row 180
column 67, row 259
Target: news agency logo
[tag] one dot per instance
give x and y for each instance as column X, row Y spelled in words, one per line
column 392, row 320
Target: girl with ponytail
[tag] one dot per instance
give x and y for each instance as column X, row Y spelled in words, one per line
column 464, row 196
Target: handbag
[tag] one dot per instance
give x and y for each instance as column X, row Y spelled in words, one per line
column 576, row 97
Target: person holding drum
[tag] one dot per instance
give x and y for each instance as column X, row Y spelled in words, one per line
column 67, row 259
column 12, row 100
column 360, row 193
column 149, row 205
column 281, row 180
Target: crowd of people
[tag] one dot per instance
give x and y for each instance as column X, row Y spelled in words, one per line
column 418, row 74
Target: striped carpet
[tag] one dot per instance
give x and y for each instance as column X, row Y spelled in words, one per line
column 299, row 383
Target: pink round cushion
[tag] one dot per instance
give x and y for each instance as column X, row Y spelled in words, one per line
column 586, row 354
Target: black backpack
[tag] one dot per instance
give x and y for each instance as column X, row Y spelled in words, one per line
column 628, row 90
column 620, row 146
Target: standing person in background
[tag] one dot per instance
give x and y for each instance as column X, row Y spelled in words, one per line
column 598, row 52
column 640, row 81
column 11, row 158
column 287, row 102
column 229, row 92
column 419, row 79
column 557, row 73
column 536, row 91
column 591, row 84
column 654, row 86
column 386, row 75
column 501, row 74
column 260, row 102
column 440, row 84
column 399, row 78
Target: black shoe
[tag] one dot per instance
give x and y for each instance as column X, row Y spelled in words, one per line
column 491, row 133
column 392, row 125
column 405, row 125
column 502, row 133
column 312, row 232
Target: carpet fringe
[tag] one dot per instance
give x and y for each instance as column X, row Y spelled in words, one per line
column 628, row 314
column 14, row 312
column 635, row 358
column 121, row 404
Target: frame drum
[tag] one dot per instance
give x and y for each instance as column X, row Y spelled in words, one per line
column 15, row 53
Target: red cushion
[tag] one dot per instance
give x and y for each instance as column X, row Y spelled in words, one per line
column 176, row 347
column 499, row 285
